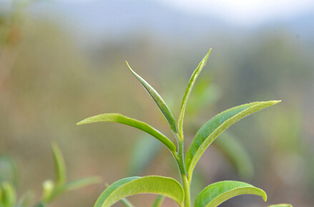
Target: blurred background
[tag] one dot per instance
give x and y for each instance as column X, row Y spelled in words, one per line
column 63, row 60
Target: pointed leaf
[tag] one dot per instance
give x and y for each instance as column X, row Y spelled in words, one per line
column 188, row 90
column 281, row 205
column 236, row 154
column 217, row 193
column 217, row 125
column 119, row 118
column 125, row 187
column 158, row 100
column 60, row 169
column 158, row 201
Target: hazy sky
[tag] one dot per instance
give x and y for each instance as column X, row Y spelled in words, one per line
column 244, row 11
column 237, row 11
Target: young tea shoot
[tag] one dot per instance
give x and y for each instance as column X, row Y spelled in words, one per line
column 179, row 191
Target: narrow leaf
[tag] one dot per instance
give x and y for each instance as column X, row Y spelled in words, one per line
column 217, row 125
column 281, row 205
column 125, row 187
column 188, row 91
column 119, row 118
column 217, row 193
column 158, row 100
column 158, row 201
column 236, row 154
column 60, row 170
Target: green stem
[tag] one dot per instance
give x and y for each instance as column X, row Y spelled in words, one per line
column 183, row 173
column 186, row 187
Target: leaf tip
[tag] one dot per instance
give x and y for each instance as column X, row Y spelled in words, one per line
column 273, row 102
column 209, row 51
column 79, row 123
column 264, row 196
column 204, row 61
column 84, row 121
column 128, row 65
column 55, row 148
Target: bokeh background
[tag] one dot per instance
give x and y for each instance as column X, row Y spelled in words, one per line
column 61, row 61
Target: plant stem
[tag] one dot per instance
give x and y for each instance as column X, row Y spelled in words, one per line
column 183, row 173
column 186, row 187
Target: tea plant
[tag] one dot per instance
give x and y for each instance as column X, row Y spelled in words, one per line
column 51, row 188
column 212, row 195
column 205, row 94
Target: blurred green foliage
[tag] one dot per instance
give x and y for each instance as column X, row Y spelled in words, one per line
column 51, row 188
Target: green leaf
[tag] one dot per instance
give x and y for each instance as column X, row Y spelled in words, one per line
column 8, row 195
column 217, row 193
column 158, row 201
column 158, row 100
column 125, row 187
column 188, row 91
column 119, row 118
column 208, row 133
column 144, row 151
column 60, row 169
column 281, row 205
column 235, row 154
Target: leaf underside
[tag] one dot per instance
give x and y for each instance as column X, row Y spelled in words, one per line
column 158, row 100
column 125, row 187
column 119, row 118
column 217, row 193
column 217, row 125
